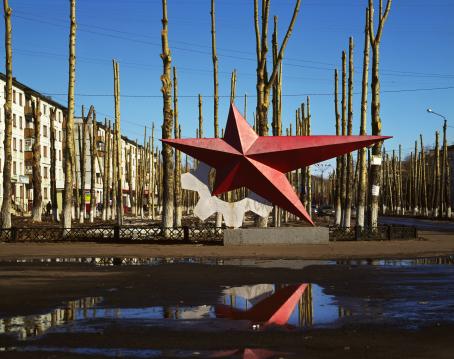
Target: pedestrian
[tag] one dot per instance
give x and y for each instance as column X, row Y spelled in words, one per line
column 48, row 208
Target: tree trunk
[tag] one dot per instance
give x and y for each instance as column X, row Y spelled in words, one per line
column 362, row 152
column 375, row 173
column 118, row 151
column 436, row 193
column 167, row 152
column 151, row 191
column 8, row 107
column 94, row 157
column 308, row 168
column 178, row 208
column 349, row 174
column 444, row 202
column 37, row 180
column 82, row 158
column 69, row 150
column 338, row 201
column 344, row 133
column 53, row 162
column 264, row 83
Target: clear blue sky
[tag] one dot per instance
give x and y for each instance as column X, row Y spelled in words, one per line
column 417, row 53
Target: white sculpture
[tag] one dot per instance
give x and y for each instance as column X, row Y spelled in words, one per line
column 233, row 212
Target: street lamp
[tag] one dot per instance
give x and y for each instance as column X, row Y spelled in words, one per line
column 436, row 113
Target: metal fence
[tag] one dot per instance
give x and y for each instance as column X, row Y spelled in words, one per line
column 114, row 234
column 205, row 234
column 380, row 233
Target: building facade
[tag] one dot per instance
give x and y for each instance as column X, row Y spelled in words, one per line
column 23, row 139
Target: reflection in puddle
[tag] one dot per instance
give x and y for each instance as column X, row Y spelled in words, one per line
column 241, row 308
column 247, row 353
column 24, row 327
column 247, row 262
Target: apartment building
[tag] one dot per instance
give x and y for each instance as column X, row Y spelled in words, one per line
column 23, row 139
column 128, row 153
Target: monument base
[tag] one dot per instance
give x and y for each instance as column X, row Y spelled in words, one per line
column 276, row 236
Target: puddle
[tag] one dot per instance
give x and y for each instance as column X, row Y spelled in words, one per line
column 258, row 263
column 255, row 353
column 251, row 307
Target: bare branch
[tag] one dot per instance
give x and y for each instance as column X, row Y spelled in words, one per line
column 284, row 44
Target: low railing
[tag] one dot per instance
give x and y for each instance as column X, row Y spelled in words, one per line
column 206, row 234
column 379, row 233
column 114, row 234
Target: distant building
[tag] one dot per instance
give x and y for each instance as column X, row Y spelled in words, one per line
column 22, row 149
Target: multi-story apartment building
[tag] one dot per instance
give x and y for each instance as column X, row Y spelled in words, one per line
column 126, row 145
column 23, row 140
column 22, row 149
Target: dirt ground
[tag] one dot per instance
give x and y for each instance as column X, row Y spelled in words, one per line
column 429, row 244
column 30, row 288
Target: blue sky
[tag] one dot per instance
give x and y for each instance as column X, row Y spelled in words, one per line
column 417, row 54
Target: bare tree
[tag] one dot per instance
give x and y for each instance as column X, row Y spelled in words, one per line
column 215, row 70
column 106, row 174
column 178, row 208
column 118, row 150
column 94, row 156
column 36, row 165
column 265, row 83
column 69, row 150
column 53, row 162
column 338, row 201
column 82, row 141
column 375, row 173
column 7, row 188
column 167, row 126
column 362, row 152
column 349, row 174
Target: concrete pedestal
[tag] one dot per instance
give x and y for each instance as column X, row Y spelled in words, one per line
column 276, row 236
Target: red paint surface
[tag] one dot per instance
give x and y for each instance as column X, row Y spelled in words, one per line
column 244, row 159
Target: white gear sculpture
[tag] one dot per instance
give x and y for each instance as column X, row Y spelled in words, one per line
column 233, row 212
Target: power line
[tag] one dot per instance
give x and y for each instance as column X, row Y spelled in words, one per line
column 253, row 96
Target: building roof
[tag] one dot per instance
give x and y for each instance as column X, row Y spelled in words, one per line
column 33, row 92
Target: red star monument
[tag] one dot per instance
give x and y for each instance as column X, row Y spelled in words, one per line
column 244, row 159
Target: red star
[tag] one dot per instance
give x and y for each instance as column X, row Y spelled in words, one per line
column 244, row 159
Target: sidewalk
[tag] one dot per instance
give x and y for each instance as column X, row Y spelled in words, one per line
column 429, row 244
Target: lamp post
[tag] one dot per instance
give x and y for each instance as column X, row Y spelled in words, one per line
column 445, row 203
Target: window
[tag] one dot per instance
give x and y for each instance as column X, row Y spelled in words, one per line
column 14, row 96
column 46, row 172
column 20, row 122
column 14, row 120
column 44, row 109
column 20, row 168
column 45, row 151
column 45, row 193
column 44, row 130
column 20, row 146
column 20, row 99
column 14, row 144
column 59, row 136
column 59, row 155
column 59, row 116
column 14, row 168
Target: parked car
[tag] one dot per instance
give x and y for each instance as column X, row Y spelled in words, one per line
column 314, row 210
column 326, row 211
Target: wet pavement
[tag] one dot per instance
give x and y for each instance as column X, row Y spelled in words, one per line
column 404, row 295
